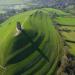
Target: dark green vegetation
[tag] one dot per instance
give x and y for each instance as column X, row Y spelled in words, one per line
column 37, row 49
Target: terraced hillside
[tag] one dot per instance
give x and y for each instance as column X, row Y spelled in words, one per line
column 67, row 29
column 38, row 48
column 35, row 51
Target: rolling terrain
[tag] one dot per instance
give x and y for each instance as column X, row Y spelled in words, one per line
column 67, row 29
column 39, row 47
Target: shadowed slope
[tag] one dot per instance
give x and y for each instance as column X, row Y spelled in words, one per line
column 35, row 51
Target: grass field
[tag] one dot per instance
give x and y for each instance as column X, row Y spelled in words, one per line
column 36, row 50
column 68, row 32
column 37, row 54
column 66, row 20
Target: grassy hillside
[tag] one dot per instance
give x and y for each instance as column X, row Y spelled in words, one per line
column 67, row 29
column 68, row 20
column 39, row 47
column 35, row 51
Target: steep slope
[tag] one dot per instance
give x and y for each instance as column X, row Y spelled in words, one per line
column 66, row 26
column 35, row 51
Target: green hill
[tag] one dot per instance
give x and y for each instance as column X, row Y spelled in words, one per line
column 37, row 54
column 37, row 49
column 67, row 29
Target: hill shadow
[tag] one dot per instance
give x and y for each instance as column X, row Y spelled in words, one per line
column 21, row 41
